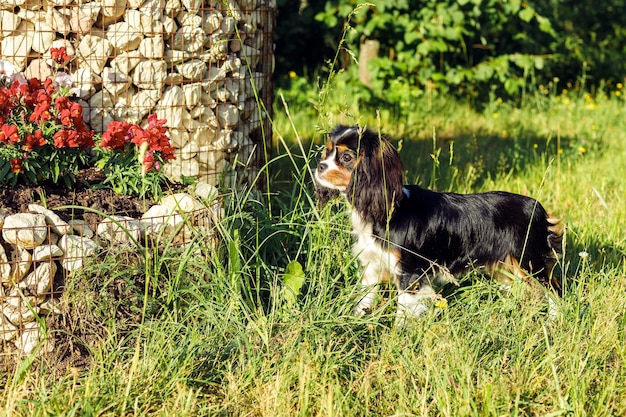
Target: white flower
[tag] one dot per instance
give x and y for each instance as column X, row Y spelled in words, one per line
column 8, row 71
column 63, row 79
column 583, row 254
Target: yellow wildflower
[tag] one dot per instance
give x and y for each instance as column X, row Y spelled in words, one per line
column 441, row 303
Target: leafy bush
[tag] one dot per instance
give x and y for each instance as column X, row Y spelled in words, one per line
column 464, row 47
column 470, row 48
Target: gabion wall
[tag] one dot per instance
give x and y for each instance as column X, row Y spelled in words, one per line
column 204, row 65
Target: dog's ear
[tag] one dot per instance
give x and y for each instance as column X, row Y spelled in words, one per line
column 323, row 195
column 377, row 182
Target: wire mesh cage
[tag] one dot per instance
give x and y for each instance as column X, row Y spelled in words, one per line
column 42, row 250
column 203, row 65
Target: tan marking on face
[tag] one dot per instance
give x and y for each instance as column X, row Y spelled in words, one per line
column 328, row 149
column 339, row 177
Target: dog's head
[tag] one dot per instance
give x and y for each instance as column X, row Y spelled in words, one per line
column 363, row 166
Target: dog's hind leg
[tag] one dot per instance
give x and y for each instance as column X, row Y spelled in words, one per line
column 414, row 303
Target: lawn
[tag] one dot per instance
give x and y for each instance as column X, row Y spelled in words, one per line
column 217, row 331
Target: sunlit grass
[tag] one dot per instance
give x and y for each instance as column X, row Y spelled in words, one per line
column 217, row 337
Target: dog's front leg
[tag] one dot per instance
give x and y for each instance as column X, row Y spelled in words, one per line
column 369, row 284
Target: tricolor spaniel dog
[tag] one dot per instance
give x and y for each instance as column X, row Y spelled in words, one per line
column 421, row 239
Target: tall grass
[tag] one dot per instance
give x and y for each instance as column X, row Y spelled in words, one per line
column 205, row 330
column 208, row 330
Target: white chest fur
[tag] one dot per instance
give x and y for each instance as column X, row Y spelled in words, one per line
column 380, row 262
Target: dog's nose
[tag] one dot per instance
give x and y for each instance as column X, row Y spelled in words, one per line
column 322, row 166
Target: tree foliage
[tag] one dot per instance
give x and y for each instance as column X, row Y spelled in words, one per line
column 474, row 47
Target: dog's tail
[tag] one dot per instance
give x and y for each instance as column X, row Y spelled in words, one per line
column 556, row 243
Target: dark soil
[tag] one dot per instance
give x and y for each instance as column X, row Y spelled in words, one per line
column 16, row 199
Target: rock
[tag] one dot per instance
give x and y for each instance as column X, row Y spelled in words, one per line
column 143, row 23
column 85, row 81
column 123, row 37
column 20, row 314
column 39, row 282
column 16, row 47
column 192, row 5
column 99, row 119
column 32, row 338
column 81, row 228
column 7, row 330
column 227, row 115
column 211, row 22
column 126, row 61
column 3, row 214
column 43, row 37
column 181, row 202
column 26, row 230
column 141, row 104
column 171, row 107
column 189, row 39
column 21, row 266
column 58, row 225
column 152, row 47
column 160, row 218
column 46, row 252
column 150, row 74
column 189, row 151
column 113, row 8
column 93, row 52
column 83, row 17
column 115, row 82
column 206, row 192
column 52, row 305
column 9, row 22
column 76, row 250
column 5, row 267
column 38, row 68
column 193, row 69
column 120, row 230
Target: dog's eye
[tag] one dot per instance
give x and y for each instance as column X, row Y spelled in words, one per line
column 346, row 157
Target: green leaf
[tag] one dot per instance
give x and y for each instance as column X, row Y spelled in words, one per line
column 527, row 14
column 293, row 279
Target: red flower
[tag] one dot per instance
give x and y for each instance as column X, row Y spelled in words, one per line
column 60, row 138
column 9, row 134
column 16, row 166
column 66, row 118
column 41, row 114
column 117, row 136
column 59, row 56
column 34, row 141
column 148, row 161
column 62, row 103
column 76, row 110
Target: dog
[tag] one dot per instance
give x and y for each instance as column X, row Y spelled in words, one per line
column 421, row 240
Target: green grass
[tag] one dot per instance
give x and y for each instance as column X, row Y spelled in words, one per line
column 210, row 332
